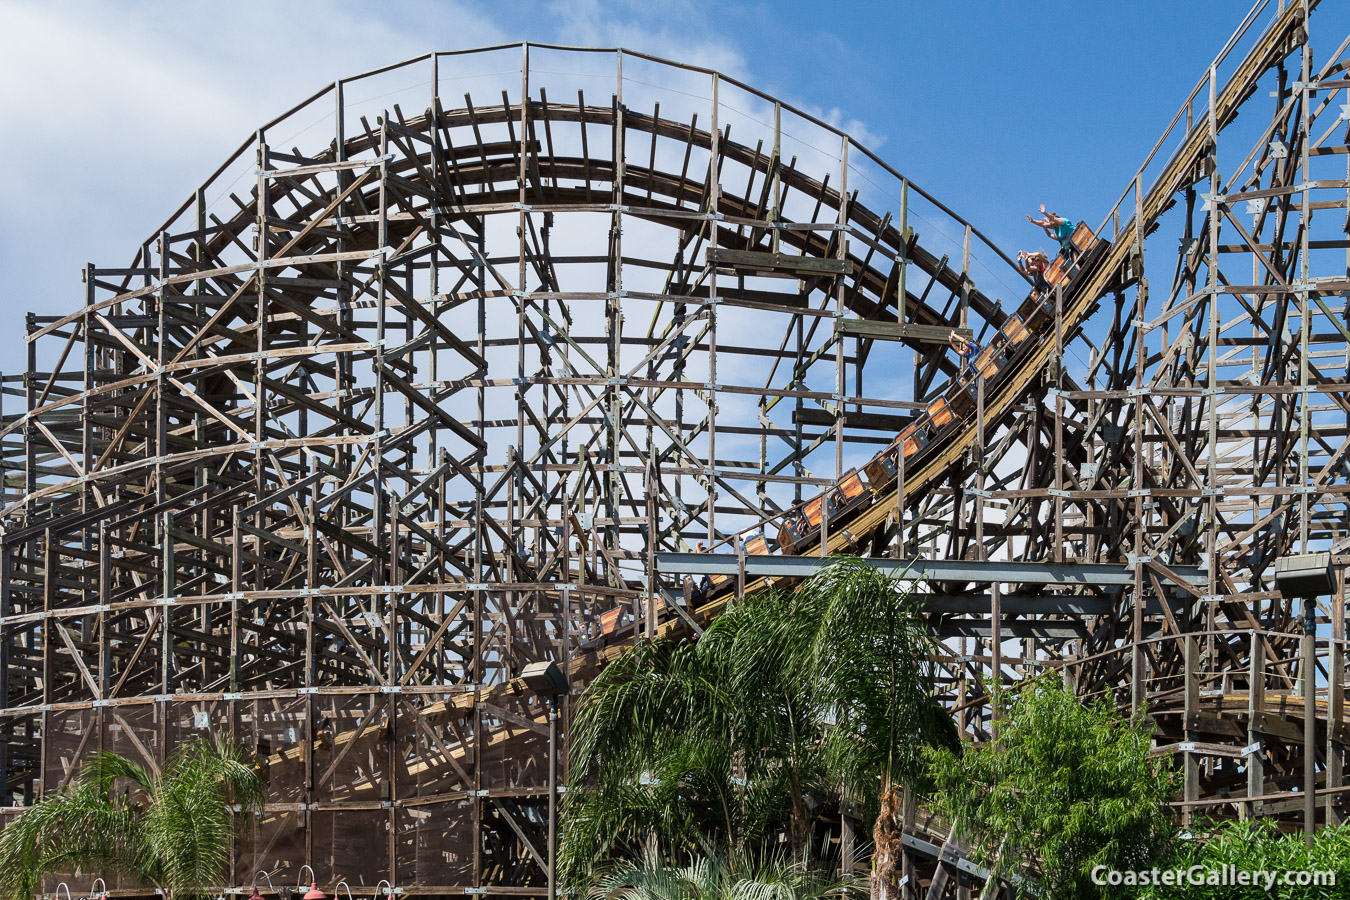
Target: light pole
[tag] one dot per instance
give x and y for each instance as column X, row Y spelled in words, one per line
column 1308, row 576
column 313, row 893
column 549, row 682
column 270, row 886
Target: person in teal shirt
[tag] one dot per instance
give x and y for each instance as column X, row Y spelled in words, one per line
column 1057, row 227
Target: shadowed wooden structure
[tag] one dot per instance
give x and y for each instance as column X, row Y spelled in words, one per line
column 470, row 362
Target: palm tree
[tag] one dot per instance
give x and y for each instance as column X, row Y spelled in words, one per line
column 775, row 877
column 714, row 747
column 170, row 829
column 654, row 742
column 871, row 657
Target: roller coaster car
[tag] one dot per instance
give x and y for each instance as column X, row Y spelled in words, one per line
column 961, row 396
column 1086, row 246
column 1014, row 332
column 847, row 495
column 939, row 412
column 701, row 588
column 803, row 523
column 611, row 621
column 755, row 545
column 716, row 582
column 789, row 533
column 915, row 438
column 1058, row 271
column 1039, row 311
column 799, row 524
column 990, row 361
column 883, row 467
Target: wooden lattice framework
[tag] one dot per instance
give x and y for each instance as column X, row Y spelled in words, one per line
column 397, row 411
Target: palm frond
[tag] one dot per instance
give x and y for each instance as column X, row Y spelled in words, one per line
column 770, row 876
column 106, row 767
column 869, row 659
column 173, row 830
column 79, row 827
column 189, row 827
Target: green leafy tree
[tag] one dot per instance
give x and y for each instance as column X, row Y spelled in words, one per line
column 1258, row 845
column 788, row 700
column 775, row 877
column 170, row 829
column 1066, row 784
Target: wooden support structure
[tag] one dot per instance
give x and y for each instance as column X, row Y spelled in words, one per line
column 369, row 425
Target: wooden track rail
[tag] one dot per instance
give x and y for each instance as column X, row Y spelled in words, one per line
column 372, row 423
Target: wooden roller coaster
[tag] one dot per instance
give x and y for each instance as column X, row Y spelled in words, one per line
column 504, row 370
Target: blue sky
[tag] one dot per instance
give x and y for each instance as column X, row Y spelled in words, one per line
column 114, row 112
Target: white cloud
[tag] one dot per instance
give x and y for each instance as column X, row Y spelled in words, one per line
column 854, row 128
column 632, row 26
column 114, row 114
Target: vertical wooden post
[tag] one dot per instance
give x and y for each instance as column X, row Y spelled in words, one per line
column 1191, row 765
column 1138, row 660
column 1335, row 746
column 1256, row 708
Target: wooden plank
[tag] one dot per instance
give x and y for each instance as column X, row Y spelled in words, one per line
column 737, row 296
column 1269, row 723
column 899, row 331
column 759, row 261
column 870, row 421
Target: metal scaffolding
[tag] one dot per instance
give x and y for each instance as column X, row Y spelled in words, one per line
column 377, row 419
